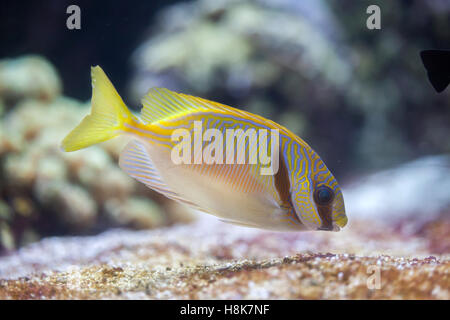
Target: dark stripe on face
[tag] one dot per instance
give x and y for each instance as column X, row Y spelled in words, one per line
column 324, row 197
column 325, row 215
column 282, row 183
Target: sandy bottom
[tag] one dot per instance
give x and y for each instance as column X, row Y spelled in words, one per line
column 212, row 260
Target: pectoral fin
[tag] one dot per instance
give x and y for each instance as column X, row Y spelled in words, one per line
column 135, row 160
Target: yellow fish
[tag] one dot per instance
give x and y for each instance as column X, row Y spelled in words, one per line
column 178, row 149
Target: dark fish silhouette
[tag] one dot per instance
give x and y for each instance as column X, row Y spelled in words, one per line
column 437, row 63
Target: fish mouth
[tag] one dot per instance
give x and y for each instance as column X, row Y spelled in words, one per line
column 333, row 227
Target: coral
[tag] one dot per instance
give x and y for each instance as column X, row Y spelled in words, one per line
column 45, row 191
column 28, row 76
column 250, row 42
column 135, row 212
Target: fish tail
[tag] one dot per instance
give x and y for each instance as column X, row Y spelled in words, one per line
column 107, row 118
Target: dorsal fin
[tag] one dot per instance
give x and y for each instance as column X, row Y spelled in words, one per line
column 161, row 103
column 136, row 161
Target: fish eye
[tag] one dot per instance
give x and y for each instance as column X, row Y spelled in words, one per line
column 323, row 195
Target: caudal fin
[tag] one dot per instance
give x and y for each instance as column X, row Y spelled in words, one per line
column 106, row 119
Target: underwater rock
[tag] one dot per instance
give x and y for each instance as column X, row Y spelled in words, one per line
column 412, row 194
column 28, row 77
column 212, row 260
